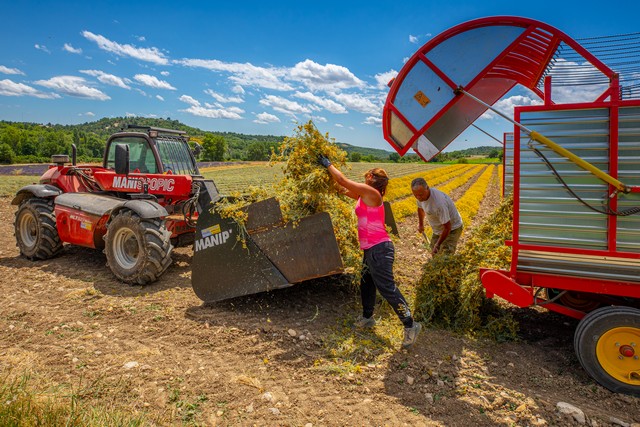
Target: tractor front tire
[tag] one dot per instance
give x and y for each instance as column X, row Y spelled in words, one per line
column 607, row 343
column 138, row 249
column 35, row 229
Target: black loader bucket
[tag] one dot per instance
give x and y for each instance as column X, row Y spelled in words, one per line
column 276, row 255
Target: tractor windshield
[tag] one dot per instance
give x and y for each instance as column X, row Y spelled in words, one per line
column 176, row 156
column 141, row 158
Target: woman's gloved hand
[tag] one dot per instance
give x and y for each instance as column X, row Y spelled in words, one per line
column 324, row 160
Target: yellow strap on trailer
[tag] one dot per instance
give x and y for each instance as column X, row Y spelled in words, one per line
column 579, row 161
column 555, row 147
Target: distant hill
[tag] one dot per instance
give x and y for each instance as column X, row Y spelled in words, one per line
column 365, row 151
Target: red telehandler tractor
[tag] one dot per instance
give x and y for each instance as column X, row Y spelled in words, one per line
column 147, row 197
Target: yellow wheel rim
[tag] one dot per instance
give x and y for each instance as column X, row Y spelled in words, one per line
column 618, row 351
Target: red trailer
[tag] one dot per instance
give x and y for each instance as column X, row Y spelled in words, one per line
column 575, row 172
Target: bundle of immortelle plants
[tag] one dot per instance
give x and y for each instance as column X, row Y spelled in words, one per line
column 305, row 189
column 449, row 294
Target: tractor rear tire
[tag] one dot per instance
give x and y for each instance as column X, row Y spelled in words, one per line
column 35, row 229
column 138, row 249
column 607, row 343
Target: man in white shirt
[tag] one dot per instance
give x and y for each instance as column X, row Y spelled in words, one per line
column 442, row 215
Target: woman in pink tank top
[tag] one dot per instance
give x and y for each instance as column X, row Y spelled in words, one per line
column 377, row 264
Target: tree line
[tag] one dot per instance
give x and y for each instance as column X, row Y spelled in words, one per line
column 36, row 143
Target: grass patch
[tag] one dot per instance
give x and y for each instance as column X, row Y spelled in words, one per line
column 10, row 184
column 25, row 405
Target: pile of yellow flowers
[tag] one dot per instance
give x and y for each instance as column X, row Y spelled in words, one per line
column 307, row 188
column 450, row 294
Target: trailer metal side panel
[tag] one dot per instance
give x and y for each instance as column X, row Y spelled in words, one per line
column 508, row 163
column 580, row 265
column 628, row 227
column 549, row 214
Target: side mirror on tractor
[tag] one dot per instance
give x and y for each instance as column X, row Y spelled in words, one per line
column 122, row 159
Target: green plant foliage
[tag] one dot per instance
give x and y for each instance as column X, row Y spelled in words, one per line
column 450, row 293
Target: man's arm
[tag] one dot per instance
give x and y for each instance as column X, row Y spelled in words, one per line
column 446, row 230
column 420, row 220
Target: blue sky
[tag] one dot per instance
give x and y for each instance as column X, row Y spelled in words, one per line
column 250, row 67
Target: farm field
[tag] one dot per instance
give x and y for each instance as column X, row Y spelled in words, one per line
column 234, row 178
column 158, row 355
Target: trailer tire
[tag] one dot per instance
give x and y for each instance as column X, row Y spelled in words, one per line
column 35, row 229
column 607, row 342
column 138, row 249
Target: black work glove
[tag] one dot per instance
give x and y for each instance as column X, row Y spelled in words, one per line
column 324, row 161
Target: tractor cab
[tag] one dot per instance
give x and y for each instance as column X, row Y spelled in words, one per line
column 153, row 151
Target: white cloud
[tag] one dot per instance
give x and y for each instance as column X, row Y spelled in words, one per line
column 151, row 54
column 130, row 115
column 224, row 99
column 190, row 100
column 405, row 59
column 141, row 38
column 383, row 79
column 266, row 118
column 338, row 125
column 164, row 73
column 73, row 86
column 88, row 114
column 236, row 110
column 108, row 79
column 319, row 119
column 243, row 74
column 71, row 49
column 325, row 103
column 238, row 89
column 158, row 97
column 324, row 77
column 372, row 120
column 413, row 39
column 284, row 105
column 212, row 113
column 7, row 70
column 11, row 88
column 357, row 102
column 506, row 105
column 41, row 47
column 578, row 93
column 153, row 81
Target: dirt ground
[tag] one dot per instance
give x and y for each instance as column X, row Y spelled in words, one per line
column 259, row 360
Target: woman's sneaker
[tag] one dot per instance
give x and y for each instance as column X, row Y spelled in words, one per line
column 365, row 322
column 411, row 334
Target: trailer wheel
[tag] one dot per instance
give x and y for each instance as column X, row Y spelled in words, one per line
column 138, row 249
column 35, row 229
column 607, row 343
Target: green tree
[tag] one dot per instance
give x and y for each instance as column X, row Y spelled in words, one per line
column 6, row 154
column 12, row 137
column 394, row 157
column 257, row 151
column 493, row 154
column 355, row 157
column 214, row 147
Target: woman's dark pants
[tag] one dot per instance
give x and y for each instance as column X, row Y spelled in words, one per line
column 377, row 273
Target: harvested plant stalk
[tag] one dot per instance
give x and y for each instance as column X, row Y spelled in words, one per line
column 450, row 293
